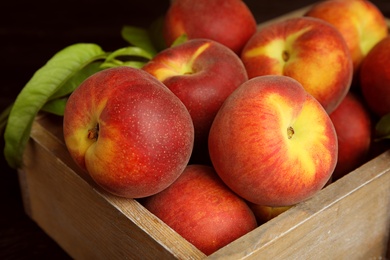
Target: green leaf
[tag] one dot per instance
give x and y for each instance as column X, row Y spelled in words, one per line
column 112, row 64
column 179, row 40
column 156, row 34
column 71, row 84
column 382, row 128
column 131, row 52
column 4, row 117
column 134, row 64
column 46, row 81
column 138, row 37
column 55, row 106
column 132, row 56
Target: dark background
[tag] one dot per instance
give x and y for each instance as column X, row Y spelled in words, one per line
column 31, row 32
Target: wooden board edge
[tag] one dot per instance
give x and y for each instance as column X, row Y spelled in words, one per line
column 293, row 218
column 164, row 235
column 299, row 214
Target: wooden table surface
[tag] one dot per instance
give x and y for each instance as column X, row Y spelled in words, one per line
column 31, row 32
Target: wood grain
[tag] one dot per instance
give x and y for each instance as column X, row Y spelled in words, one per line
column 85, row 220
column 348, row 219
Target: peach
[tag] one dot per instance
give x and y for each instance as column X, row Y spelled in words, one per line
column 360, row 22
column 273, row 143
column 202, row 209
column 307, row 49
column 128, row 131
column 202, row 74
column 352, row 122
column 375, row 78
column 266, row 213
column 229, row 22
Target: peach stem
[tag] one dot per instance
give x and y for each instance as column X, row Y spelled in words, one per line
column 290, row 132
column 93, row 133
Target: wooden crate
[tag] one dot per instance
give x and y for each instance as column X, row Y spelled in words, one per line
column 349, row 219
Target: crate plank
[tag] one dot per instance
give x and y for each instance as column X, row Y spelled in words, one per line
column 85, row 220
column 349, row 219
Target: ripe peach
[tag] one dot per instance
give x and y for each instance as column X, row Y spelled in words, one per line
column 375, row 78
column 202, row 209
column 266, row 213
column 360, row 22
column 306, row 49
column 202, row 73
column 229, row 22
column 128, row 131
column 352, row 122
column 273, row 143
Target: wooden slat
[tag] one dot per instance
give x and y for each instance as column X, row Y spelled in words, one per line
column 349, row 219
column 85, row 220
